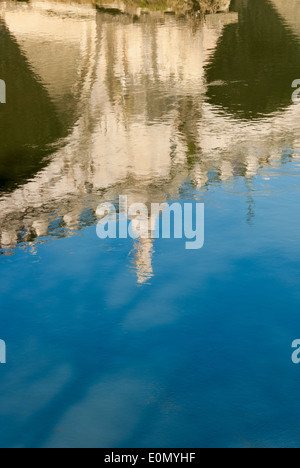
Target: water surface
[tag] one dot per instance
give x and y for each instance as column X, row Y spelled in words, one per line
column 123, row 343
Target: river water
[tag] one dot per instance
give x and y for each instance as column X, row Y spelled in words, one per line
column 123, row 343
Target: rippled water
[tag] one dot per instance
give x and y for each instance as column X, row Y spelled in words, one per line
column 123, row 343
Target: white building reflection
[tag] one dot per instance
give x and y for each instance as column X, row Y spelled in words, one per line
column 138, row 93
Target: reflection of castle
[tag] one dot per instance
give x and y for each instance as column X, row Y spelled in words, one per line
column 290, row 13
column 143, row 126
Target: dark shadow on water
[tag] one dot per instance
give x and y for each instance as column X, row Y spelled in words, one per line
column 28, row 121
column 255, row 63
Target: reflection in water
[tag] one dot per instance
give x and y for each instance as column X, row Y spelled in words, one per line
column 200, row 356
column 143, row 259
column 147, row 106
column 25, row 130
column 289, row 14
column 258, row 83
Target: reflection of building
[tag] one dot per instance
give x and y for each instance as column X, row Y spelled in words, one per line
column 290, row 12
column 143, row 259
column 142, row 124
column 125, row 137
